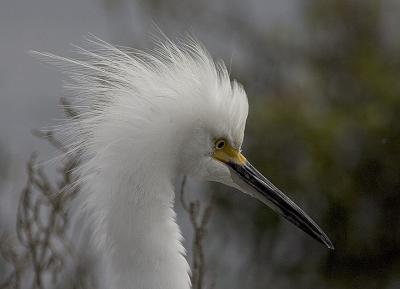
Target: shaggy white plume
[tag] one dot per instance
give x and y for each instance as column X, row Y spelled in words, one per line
column 141, row 117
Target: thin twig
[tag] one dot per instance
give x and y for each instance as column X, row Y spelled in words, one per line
column 199, row 219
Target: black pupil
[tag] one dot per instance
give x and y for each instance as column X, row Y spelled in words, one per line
column 220, row 144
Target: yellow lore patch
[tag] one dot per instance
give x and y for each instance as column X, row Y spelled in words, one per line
column 229, row 154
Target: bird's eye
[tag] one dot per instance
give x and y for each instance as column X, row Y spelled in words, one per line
column 220, row 144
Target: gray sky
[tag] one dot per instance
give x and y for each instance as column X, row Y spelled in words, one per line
column 30, row 90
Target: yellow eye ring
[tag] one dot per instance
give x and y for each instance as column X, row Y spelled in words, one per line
column 220, row 144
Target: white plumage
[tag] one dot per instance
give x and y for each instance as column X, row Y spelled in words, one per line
column 144, row 119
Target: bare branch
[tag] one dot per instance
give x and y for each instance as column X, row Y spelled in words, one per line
column 199, row 218
column 40, row 251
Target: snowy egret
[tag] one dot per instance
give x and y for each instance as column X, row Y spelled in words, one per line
column 144, row 119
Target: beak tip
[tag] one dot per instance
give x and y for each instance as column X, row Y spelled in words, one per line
column 331, row 246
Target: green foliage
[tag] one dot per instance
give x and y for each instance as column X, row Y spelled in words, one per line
column 335, row 142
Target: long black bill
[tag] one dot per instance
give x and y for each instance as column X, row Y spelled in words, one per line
column 253, row 182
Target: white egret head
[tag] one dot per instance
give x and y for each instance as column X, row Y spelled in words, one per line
column 170, row 112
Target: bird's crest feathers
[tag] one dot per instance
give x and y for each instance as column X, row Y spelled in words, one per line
column 120, row 89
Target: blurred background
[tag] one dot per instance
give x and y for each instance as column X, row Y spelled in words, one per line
column 323, row 82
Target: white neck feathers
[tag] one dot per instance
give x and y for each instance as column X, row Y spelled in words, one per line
column 136, row 229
